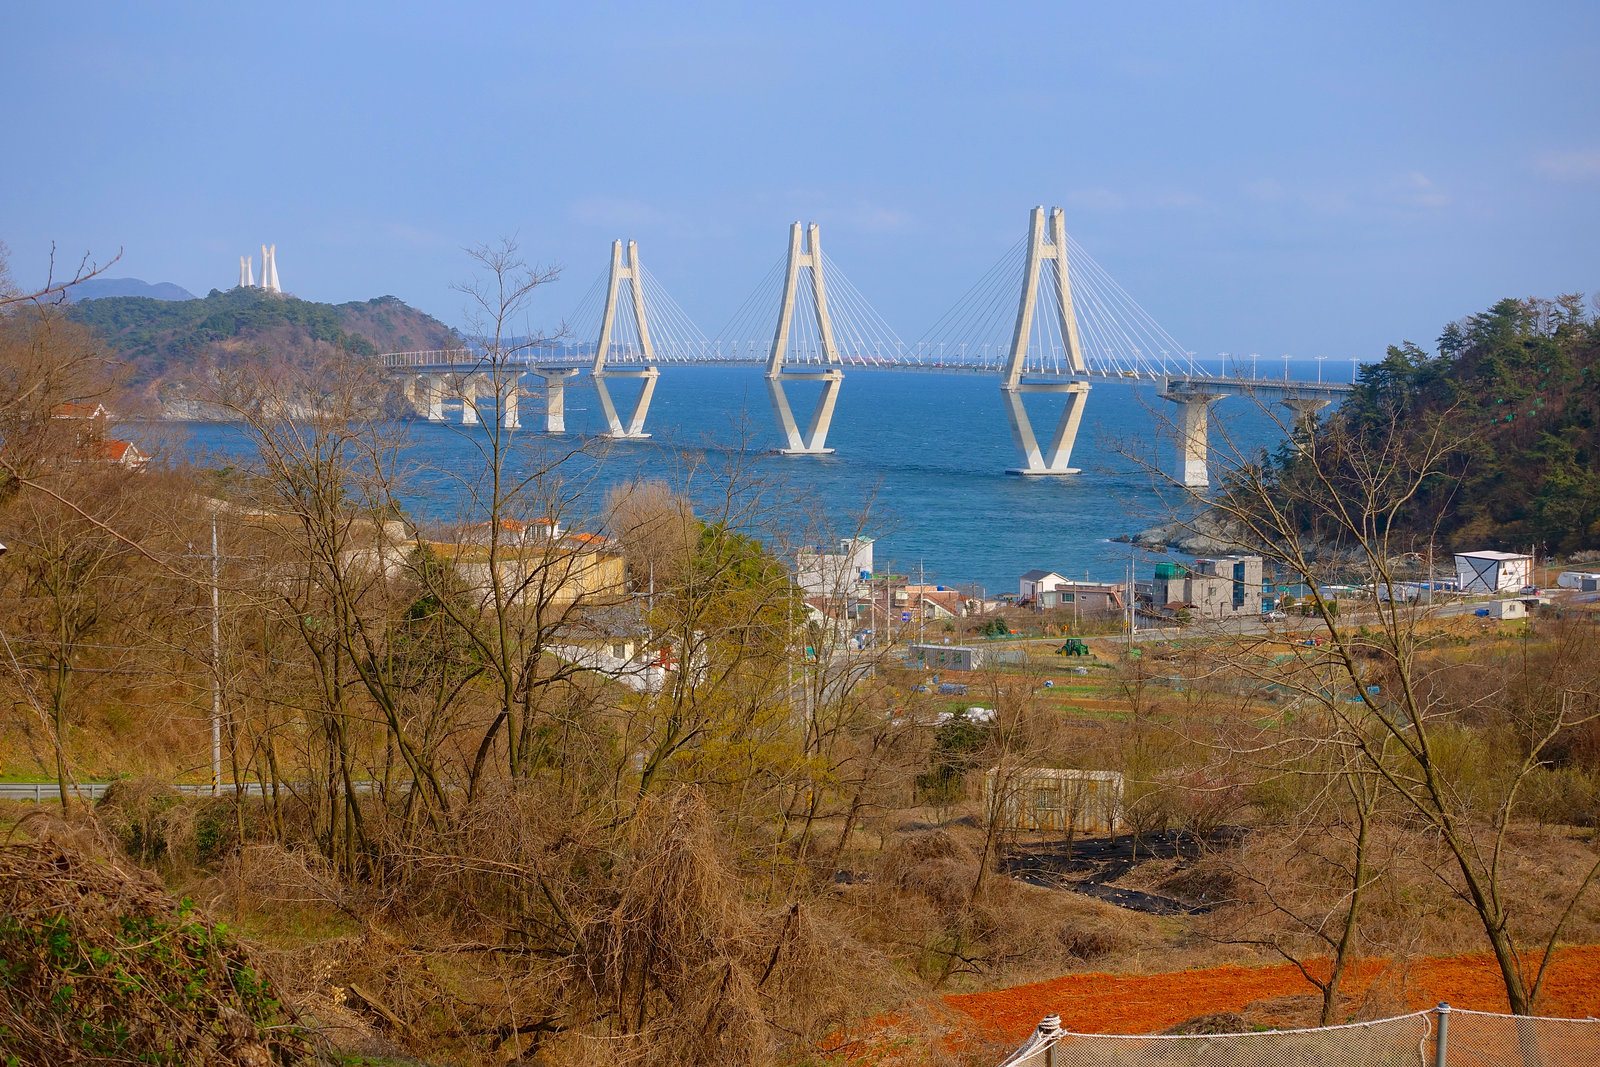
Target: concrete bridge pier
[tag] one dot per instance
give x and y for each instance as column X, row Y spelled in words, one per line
column 432, row 407
column 814, row 442
column 1047, row 241
column 1054, row 459
column 1306, row 410
column 509, row 391
column 805, row 254
column 633, row 430
column 555, row 398
column 1193, row 425
column 468, row 390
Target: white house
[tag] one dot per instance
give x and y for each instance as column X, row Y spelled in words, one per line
column 1490, row 572
column 1035, row 582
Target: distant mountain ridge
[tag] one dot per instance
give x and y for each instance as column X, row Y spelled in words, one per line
column 101, row 288
column 169, row 346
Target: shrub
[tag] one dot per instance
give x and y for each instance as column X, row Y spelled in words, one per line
column 1563, row 796
column 1089, row 942
column 100, row 963
column 931, row 864
column 147, row 817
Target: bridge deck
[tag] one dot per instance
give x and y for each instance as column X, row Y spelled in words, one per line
column 459, row 362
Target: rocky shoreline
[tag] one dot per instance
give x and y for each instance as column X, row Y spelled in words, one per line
column 1200, row 536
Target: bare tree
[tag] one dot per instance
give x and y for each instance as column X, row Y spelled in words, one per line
column 1328, row 511
column 55, row 289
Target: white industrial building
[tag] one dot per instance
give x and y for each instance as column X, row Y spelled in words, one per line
column 962, row 657
column 1583, row 581
column 1490, row 572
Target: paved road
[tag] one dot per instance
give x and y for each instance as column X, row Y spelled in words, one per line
column 47, row 791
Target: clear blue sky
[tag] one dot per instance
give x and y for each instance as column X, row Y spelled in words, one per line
column 1319, row 180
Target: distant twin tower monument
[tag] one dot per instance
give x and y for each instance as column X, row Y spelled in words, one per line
column 269, row 270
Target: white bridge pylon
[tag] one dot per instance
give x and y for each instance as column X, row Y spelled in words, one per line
column 649, row 372
column 1057, row 456
column 1071, row 325
column 805, row 253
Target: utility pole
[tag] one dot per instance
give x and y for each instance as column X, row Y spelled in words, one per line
column 1128, row 598
column 216, row 663
column 922, row 616
column 888, row 613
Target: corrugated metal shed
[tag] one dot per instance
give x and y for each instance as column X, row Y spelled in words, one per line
column 1050, row 798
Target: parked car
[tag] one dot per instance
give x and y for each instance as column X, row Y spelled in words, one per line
column 1274, row 616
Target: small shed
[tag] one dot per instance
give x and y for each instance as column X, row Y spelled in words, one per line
column 1049, row 798
column 1507, row 609
column 1490, row 572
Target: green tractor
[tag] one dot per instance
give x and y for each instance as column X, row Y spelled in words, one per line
column 1073, row 647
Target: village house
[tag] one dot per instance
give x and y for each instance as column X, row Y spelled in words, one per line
column 1035, row 582
column 123, row 454
column 844, row 573
column 1047, row 590
column 1221, row 587
column 613, row 641
column 512, row 532
column 556, row 572
column 91, row 423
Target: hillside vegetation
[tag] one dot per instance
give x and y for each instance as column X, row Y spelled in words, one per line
column 614, row 795
column 167, row 346
column 1514, row 396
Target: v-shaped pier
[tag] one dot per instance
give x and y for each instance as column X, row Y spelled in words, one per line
column 625, row 272
column 1055, row 458
column 805, row 253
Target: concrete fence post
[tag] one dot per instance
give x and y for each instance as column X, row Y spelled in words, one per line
column 1442, row 1039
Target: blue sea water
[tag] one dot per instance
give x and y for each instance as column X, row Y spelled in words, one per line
column 923, row 455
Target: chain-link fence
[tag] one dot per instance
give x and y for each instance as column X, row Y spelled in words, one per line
column 1438, row 1038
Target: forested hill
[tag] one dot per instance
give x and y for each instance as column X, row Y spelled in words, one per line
column 1518, row 388
column 167, row 345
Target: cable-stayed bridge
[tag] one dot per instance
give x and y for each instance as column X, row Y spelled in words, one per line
column 1045, row 318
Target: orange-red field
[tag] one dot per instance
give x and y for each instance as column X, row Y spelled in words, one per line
column 1150, row 1003
column 1140, row 1004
